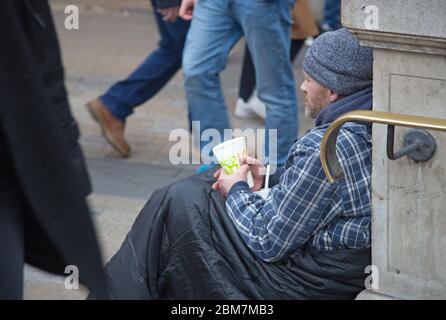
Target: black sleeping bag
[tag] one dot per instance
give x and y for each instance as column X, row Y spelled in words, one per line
column 183, row 245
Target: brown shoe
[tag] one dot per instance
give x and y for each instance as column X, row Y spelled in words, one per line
column 112, row 128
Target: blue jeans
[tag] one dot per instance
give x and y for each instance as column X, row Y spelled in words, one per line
column 151, row 76
column 216, row 26
column 332, row 13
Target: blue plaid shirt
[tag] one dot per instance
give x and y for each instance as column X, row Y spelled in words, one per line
column 303, row 208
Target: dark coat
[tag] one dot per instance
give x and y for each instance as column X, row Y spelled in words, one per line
column 164, row 4
column 183, row 245
column 41, row 136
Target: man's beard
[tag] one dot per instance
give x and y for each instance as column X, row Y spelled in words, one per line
column 307, row 109
column 308, row 113
column 311, row 112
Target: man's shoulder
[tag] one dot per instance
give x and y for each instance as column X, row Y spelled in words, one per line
column 351, row 134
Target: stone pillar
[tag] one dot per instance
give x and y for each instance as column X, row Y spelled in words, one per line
column 409, row 198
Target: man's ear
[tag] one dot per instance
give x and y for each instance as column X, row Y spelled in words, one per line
column 333, row 96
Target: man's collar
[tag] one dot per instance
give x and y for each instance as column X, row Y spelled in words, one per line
column 361, row 100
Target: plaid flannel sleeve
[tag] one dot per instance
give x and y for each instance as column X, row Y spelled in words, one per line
column 286, row 220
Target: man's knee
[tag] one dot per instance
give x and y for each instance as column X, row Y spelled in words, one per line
column 201, row 70
column 199, row 78
column 186, row 187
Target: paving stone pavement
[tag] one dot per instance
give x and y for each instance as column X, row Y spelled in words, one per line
column 114, row 37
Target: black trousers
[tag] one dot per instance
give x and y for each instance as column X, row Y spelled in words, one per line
column 248, row 77
column 12, row 230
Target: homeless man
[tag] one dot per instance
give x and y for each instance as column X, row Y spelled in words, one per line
column 211, row 237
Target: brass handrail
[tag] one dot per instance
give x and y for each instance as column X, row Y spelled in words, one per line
column 330, row 162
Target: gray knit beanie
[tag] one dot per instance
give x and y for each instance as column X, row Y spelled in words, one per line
column 336, row 61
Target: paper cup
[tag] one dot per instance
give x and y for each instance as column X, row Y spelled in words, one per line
column 230, row 154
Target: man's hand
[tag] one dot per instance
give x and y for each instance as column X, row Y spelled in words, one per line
column 224, row 182
column 169, row 14
column 186, row 9
column 258, row 171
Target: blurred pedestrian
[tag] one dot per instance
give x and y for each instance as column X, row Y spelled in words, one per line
column 44, row 217
column 216, row 26
column 111, row 109
column 304, row 26
column 332, row 15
